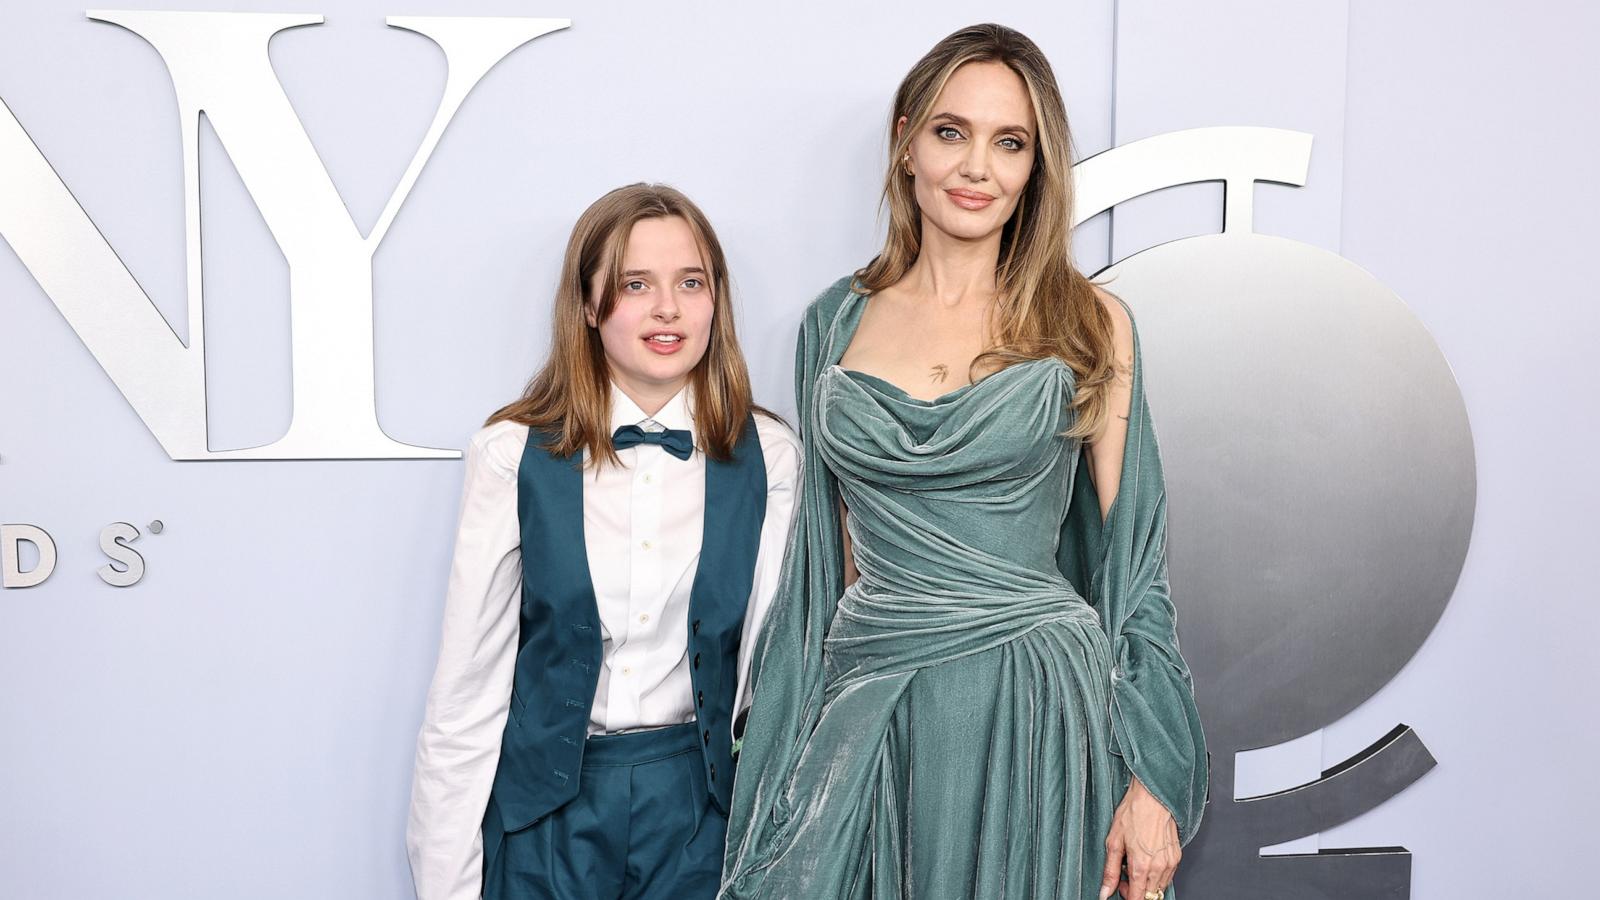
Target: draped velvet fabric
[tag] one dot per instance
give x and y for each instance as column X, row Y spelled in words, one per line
column 962, row 720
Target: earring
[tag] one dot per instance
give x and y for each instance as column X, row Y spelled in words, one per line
column 906, row 161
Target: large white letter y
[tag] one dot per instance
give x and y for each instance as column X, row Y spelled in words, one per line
column 219, row 65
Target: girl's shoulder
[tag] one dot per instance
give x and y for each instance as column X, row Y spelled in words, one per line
column 780, row 448
column 774, row 432
column 500, row 445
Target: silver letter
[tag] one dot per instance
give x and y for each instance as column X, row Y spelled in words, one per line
column 218, row 64
column 11, row 574
column 112, row 538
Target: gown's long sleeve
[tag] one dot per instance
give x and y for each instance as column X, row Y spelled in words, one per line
column 1120, row 565
column 786, row 671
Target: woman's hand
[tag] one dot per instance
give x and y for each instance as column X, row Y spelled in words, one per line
column 1144, row 837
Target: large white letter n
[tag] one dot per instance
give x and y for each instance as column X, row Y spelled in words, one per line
column 219, row 65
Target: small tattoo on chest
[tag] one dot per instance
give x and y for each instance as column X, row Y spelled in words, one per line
column 940, row 373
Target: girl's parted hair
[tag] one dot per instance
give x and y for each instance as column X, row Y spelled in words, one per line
column 1046, row 307
column 570, row 397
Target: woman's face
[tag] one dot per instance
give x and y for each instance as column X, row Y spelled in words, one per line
column 661, row 324
column 970, row 161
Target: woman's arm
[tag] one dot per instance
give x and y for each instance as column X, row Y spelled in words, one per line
column 458, row 748
column 1106, row 445
column 1143, row 836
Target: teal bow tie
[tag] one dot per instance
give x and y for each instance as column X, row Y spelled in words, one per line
column 677, row 441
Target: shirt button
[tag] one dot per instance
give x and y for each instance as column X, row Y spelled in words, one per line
column 626, row 671
column 644, row 617
column 648, row 478
column 645, row 544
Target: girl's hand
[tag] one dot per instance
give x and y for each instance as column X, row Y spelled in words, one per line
column 1145, row 839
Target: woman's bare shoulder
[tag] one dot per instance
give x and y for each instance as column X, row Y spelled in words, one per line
column 1121, row 325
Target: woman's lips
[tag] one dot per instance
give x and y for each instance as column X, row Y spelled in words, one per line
column 665, row 348
column 969, row 199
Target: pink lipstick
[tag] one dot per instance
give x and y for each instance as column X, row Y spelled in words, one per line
column 966, row 199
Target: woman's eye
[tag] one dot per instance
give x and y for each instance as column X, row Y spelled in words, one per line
column 692, row 284
column 948, row 132
column 635, row 285
column 1011, row 143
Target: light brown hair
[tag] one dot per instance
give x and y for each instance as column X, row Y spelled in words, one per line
column 570, row 397
column 1045, row 307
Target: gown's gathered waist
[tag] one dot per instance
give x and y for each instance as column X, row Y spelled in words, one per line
column 879, row 631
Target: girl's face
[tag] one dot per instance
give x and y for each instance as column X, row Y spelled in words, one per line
column 661, row 324
column 971, row 159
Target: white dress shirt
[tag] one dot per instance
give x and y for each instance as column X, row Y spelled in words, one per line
column 642, row 526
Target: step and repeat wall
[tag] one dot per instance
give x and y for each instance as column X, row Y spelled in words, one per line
column 267, row 269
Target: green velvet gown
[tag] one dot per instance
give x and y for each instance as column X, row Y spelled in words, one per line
column 961, row 721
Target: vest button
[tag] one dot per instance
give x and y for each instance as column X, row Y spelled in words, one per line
column 713, row 771
column 708, row 739
column 697, row 660
column 700, row 698
column 694, row 627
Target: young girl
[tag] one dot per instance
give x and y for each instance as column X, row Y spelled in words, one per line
column 620, row 535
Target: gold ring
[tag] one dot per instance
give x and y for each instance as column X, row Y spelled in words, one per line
column 1155, row 895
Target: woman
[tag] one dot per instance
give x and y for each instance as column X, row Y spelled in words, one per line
column 618, row 545
column 970, row 684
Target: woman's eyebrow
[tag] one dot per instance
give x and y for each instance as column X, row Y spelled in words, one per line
column 963, row 122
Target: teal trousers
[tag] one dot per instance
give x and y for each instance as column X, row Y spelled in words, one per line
column 643, row 827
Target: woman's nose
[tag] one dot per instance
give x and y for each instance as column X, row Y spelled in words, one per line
column 975, row 164
column 666, row 306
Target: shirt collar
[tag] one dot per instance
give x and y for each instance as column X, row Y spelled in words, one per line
column 675, row 414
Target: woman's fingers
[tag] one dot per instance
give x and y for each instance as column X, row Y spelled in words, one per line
column 1113, row 871
column 1171, row 856
column 1140, row 874
column 1146, row 838
column 1163, row 864
column 1150, row 871
column 1142, row 849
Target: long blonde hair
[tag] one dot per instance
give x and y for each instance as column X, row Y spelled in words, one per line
column 1045, row 306
column 570, row 397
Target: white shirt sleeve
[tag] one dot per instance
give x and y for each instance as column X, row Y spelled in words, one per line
column 781, row 450
column 458, row 748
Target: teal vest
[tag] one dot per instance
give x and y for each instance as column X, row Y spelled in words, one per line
column 559, row 645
